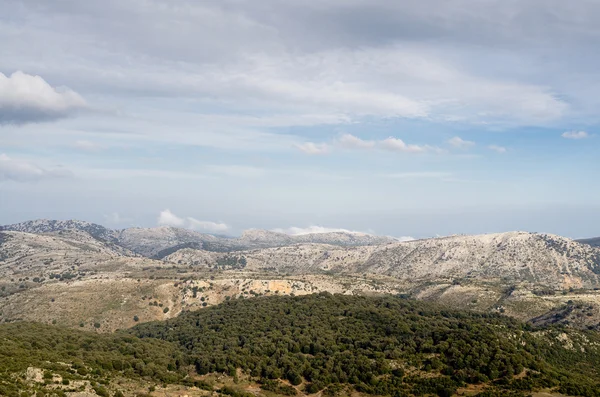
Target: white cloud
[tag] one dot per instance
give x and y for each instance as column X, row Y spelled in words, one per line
column 168, row 218
column 497, row 149
column 26, row 98
column 460, row 143
column 211, row 227
column 352, row 142
column 398, row 145
column 312, row 148
column 25, row 171
column 575, row 135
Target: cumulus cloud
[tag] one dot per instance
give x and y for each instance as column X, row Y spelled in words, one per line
column 25, row 171
column 312, row 148
column 575, row 135
column 352, row 142
column 398, row 145
column 168, row 218
column 25, row 98
column 460, row 143
column 497, row 149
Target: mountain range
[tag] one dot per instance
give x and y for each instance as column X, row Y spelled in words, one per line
column 157, row 242
column 75, row 272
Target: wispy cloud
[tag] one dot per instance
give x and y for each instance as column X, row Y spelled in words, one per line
column 498, row 149
column 168, row 218
column 575, row 135
column 25, row 98
column 398, row 145
column 312, row 148
column 25, row 171
column 351, row 142
column 460, row 143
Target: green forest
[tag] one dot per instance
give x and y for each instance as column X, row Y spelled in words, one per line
column 385, row 346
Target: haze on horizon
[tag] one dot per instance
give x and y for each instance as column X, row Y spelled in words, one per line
column 414, row 118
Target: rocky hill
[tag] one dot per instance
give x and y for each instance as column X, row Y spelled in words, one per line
column 40, row 226
column 161, row 241
column 516, row 257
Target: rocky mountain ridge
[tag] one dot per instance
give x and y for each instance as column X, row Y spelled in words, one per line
column 541, row 259
column 160, row 241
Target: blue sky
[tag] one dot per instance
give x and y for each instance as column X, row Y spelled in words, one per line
column 414, row 118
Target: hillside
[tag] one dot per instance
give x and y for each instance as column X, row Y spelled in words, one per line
column 594, row 242
column 332, row 345
column 541, row 259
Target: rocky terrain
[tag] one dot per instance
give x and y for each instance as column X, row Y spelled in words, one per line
column 82, row 275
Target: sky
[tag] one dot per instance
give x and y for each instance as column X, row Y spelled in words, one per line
column 415, row 118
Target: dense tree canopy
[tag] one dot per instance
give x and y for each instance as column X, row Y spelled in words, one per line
column 380, row 345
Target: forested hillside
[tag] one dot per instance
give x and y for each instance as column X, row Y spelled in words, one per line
column 382, row 346
column 62, row 360
column 335, row 344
